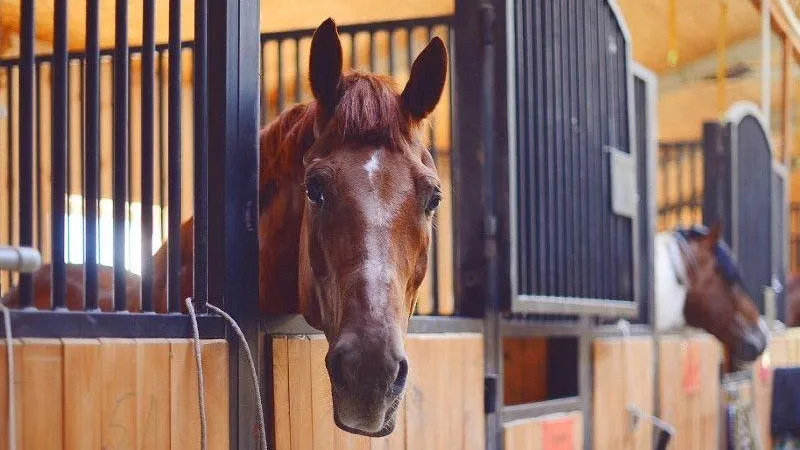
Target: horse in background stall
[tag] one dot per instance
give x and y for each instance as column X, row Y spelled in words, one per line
column 698, row 283
column 348, row 190
column 793, row 300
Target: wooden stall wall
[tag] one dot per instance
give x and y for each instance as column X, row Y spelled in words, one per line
column 689, row 389
column 557, row 431
column 114, row 393
column 623, row 376
column 443, row 406
column 783, row 351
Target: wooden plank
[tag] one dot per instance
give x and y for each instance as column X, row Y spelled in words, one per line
column 608, row 400
column 43, row 393
column 709, row 398
column 642, row 387
column 82, row 397
column 670, row 391
column 280, row 392
column 4, row 391
column 421, row 399
column 322, row 407
column 452, row 386
column 118, row 395
column 523, row 435
column 184, row 408
column 300, row 412
column 153, row 394
column 473, row 416
column 215, row 377
column 534, row 366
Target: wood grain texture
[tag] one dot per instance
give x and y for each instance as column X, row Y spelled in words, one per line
column 4, row 393
column 623, row 375
column 82, row 404
column 118, row 395
column 42, row 393
column 215, row 377
column 153, row 389
column 530, row 434
column 300, row 412
column 184, row 408
column 280, row 392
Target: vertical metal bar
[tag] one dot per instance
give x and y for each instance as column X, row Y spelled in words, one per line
column 91, row 164
column 68, row 161
column 162, row 145
column 353, row 63
column 233, row 203
column 373, row 56
column 148, row 49
column 10, row 159
column 59, row 146
column 297, row 82
column 201, row 151
column 264, row 86
column 26, row 100
column 120, row 183
column 391, row 50
column 38, row 158
column 129, row 168
column 174, row 175
column 281, row 88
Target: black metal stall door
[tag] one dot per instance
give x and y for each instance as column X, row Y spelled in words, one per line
column 573, row 202
column 740, row 182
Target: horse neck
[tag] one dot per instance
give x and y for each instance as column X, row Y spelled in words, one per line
column 670, row 295
column 282, row 145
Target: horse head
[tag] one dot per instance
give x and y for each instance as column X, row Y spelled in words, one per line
column 371, row 189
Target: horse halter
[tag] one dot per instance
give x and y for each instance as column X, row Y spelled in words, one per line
column 726, row 260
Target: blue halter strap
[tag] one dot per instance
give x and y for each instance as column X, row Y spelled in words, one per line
column 726, row 260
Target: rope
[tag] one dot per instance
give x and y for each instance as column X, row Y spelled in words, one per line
column 253, row 373
column 201, row 394
column 12, row 422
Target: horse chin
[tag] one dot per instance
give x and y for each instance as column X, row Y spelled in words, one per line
column 376, row 432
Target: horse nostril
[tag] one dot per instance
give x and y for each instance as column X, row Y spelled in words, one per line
column 402, row 374
column 335, row 370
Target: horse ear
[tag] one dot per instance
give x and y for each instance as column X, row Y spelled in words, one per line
column 426, row 83
column 325, row 65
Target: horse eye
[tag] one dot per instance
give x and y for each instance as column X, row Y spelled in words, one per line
column 314, row 191
column 433, row 203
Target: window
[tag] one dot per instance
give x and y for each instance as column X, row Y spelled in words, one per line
column 105, row 242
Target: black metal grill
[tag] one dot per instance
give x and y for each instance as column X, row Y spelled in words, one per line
column 44, row 87
column 680, row 184
column 93, row 74
column 572, row 107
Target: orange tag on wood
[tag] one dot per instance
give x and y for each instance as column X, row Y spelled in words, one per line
column 691, row 369
column 558, row 434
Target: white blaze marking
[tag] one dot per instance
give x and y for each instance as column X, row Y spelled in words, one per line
column 373, row 165
column 670, row 294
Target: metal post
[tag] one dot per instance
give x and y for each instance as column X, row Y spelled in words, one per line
column 233, row 159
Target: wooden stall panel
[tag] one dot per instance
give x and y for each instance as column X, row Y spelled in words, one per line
column 153, row 398
column 443, row 406
column 689, row 389
column 82, row 368
column 623, row 376
column 140, row 394
column 781, row 352
column 557, row 431
column 4, row 391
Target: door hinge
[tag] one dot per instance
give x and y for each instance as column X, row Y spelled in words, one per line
column 490, row 394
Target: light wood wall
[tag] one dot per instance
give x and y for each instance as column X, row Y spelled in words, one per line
column 692, row 407
column 114, row 393
column 557, row 431
column 623, row 376
column 443, row 406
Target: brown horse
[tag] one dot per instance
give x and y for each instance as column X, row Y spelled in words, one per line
column 793, row 300
column 348, row 189
column 698, row 283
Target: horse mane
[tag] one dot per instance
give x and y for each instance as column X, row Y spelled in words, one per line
column 369, row 111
